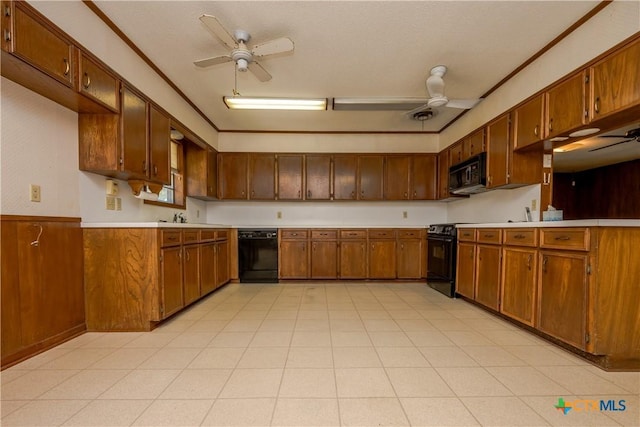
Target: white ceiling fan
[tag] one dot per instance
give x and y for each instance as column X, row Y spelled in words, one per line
column 239, row 52
column 437, row 98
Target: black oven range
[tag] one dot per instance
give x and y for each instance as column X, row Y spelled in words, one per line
column 441, row 258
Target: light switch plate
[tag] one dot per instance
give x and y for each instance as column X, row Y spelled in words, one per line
column 34, row 193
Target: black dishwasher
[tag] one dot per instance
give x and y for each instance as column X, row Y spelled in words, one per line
column 258, row 255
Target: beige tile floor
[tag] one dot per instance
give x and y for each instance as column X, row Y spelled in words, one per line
column 319, row 354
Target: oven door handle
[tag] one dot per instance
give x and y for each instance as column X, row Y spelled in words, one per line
column 440, row 239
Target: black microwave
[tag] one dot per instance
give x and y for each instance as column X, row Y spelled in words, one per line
column 470, row 176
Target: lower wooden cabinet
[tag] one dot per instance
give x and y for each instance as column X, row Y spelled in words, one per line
column 411, row 258
column 353, row 258
column 293, row 262
column 519, row 278
column 465, row 274
column 135, row 277
column 324, row 254
column 487, row 275
column 382, row 254
column 42, row 294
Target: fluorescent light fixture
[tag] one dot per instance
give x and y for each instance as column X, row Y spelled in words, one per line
column 248, row 103
column 377, row 104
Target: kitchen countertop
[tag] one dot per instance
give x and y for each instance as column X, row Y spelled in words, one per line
column 569, row 223
column 149, row 225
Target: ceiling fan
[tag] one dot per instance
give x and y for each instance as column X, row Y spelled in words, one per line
column 239, row 52
column 435, row 87
column 631, row 135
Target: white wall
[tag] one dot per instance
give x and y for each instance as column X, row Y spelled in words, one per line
column 496, row 206
column 39, row 145
column 338, row 214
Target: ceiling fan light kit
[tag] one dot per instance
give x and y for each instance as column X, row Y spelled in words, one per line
column 266, row 103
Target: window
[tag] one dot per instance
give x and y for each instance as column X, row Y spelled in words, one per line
column 172, row 194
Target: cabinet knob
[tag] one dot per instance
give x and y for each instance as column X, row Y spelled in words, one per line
column 7, row 35
column 535, row 130
column 544, row 264
column 67, row 67
column 144, row 166
column 298, row 194
column 596, row 105
column 529, row 262
column 86, row 82
column 550, row 125
column 406, row 195
column 308, row 193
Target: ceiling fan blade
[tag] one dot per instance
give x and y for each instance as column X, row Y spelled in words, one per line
column 203, row 63
column 259, row 72
column 216, row 28
column 611, row 145
column 464, row 104
column 281, row 45
column 416, row 110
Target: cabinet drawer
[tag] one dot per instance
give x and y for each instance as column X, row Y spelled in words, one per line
column 171, row 237
column 565, row 238
column 324, row 234
column 353, row 234
column 410, row 234
column 383, row 233
column 489, row 235
column 467, row 234
column 207, row 234
column 190, row 236
column 222, row 235
column 521, row 237
column 294, row 234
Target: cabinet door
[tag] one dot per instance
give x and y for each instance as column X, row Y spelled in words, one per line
column 562, row 296
column 212, row 172
column 191, row 270
column 222, row 263
column 488, row 276
column 208, row 263
column 528, row 119
column 324, row 259
column 232, row 175
column 370, row 177
column 345, row 170
column 318, row 177
column 134, row 134
column 294, row 259
column 262, row 170
column 443, row 174
column 566, row 105
column 519, row 276
column 465, row 264
column 498, row 152
column 41, row 46
column 290, row 176
column 382, row 259
column 397, row 177
column 353, row 259
column 171, row 281
column 423, row 177
column 455, row 153
column 473, row 144
column 98, row 84
column 409, row 258
column 615, row 82
column 159, row 146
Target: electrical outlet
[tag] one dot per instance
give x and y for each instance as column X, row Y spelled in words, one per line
column 34, row 193
column 111, row 188
column 279, row 215
column 111, row 203
column 404, row 214
column 118, row 203
column 534, row 205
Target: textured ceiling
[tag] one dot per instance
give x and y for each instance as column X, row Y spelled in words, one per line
column 344, row 49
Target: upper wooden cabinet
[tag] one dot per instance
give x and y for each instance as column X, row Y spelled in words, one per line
column 232, row 175
column 98, row 84
column 455, row 153
column 290, row 176
column 566, row 105
column 473, row 144
column 345, row 172
column 38, row 43
column 318, row 176
column 498, row 152
column 615, row 82
column 528, row 123
column 201, row 168
column 443, row 174
column 370, row 177
column 134, row 144
column 262, row 176
column 410, row 177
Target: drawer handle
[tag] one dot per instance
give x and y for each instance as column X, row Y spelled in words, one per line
column 550, row 125
column 353, row 234
column 596, row 105
column 519, row 236
column 67, row 67
column 294, row 234
column 564, row 238
column 489, row 235
column 324, row 234
column 87, row 81
column 535, row 130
